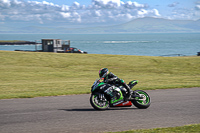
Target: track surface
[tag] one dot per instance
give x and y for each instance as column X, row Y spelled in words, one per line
column 169, row 108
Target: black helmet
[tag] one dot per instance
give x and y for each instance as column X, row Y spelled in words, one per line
column 103, row 72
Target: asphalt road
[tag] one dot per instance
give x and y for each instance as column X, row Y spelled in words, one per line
column 169, row 108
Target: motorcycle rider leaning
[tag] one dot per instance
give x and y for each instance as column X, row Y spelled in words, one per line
column 110, row 78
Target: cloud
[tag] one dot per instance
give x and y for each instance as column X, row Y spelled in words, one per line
column 183, row 13
column 118, row 2
column 133, row 5
column 99, row 11
column 65, row 15
column 173, row 4
column 197, row 7
column 105, row 4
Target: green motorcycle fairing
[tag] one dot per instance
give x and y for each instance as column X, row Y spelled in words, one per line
column 114, row 100
column 97, row 88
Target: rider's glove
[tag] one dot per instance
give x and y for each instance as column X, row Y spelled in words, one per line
column 122, row 81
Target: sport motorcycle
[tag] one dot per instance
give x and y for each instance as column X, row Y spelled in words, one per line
column 104, row 95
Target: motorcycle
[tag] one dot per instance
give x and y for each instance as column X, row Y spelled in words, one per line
column 105, row 95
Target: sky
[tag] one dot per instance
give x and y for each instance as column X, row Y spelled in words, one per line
column 94, row 12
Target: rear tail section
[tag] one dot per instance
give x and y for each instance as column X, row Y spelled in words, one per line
column 132, row 83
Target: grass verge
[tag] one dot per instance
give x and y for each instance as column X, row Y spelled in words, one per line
column 194, row 128
column 32, row 74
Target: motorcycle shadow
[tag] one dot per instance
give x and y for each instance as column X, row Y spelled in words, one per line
column 91, row 109
column 78, row 109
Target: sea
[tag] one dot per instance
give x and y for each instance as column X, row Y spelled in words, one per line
column 144, row 44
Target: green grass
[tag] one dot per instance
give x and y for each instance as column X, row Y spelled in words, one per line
column 32, row 74
column 194, row 128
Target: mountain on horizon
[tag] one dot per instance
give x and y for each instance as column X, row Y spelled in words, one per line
column 152, row 25
column 140, row 25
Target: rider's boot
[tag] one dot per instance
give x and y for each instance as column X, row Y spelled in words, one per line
column 128, row 95
column 126, row 98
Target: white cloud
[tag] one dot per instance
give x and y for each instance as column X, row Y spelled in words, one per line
column 5, row 3
column 118, row 2
column 76, row 5
column 156, row 12
column 197, row 7
column 104, row 4
column 65, row 15
column 106, row 11
column 173, row 4
column 17, row 2
column 65, row 8
column 152, row 13
column 98, row 13
column 132, row 5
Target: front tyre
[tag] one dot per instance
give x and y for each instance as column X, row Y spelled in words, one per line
column 99, row 102
column 143, row 101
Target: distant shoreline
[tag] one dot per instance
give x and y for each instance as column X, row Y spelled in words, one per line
column 16, row 42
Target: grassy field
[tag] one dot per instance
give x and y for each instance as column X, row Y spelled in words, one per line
column 194, row 128
column 32, row 74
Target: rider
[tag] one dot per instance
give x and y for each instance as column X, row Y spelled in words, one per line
column 110, row 78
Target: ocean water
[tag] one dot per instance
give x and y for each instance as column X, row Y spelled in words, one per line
column 156, row 44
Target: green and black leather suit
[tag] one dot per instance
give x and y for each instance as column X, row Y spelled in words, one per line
column 113, row 79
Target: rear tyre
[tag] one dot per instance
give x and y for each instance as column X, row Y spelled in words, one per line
column 142, row 103
column 99, row 103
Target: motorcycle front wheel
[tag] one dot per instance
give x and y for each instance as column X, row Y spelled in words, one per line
column 99, row 103
column 143, row 101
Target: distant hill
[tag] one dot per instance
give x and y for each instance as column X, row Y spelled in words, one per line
column 156, row 25
column 163, row 25
column 140, row 25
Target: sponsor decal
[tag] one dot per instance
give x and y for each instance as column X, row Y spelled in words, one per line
column 125, row 103
column 102, row 87
column 118, row 102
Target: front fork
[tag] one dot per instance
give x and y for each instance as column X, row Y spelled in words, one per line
column 102, row 98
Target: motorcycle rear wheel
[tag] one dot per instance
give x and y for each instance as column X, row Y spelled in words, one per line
column 142, row 103
column 97, row 103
